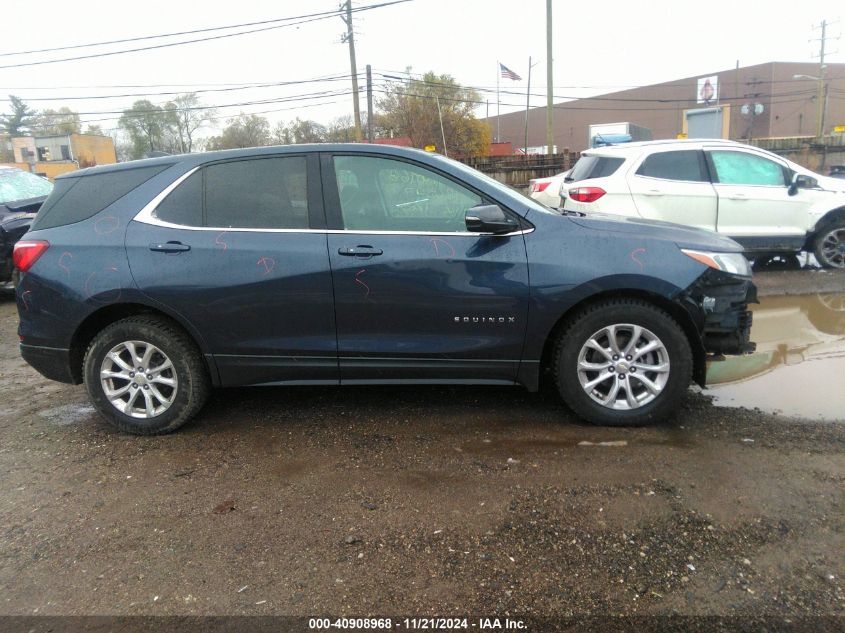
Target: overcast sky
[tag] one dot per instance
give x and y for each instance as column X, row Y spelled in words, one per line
column 599, row 47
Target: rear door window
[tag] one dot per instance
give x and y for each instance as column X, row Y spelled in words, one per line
column 589, row 166
column 741, row 168
column 260, row 193
column 684, row 165
column 184, row 204
column 265, row 193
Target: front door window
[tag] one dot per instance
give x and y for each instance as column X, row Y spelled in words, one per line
column 378, row 194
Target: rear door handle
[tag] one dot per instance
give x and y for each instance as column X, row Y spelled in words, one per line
column 169, row 247
column 359, row 251
column 738, row 196
column 653, row 192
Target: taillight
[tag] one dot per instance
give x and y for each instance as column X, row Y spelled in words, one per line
column 535, row 186
column 27, row 253
column 586, row 194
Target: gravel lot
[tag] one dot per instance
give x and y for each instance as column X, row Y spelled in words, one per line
column 426, row 501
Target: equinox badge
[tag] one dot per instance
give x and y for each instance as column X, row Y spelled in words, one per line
column 475, row 319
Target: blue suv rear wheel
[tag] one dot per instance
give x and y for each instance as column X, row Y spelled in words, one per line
column 145, row 376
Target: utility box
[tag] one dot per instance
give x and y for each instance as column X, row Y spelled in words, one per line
column 613, row 133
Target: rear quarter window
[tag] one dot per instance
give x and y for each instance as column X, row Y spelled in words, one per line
column 77, row 199
column 589, row 166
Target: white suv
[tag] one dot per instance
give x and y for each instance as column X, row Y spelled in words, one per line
column 766, row 203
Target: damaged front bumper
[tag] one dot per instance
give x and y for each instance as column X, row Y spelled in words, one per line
column 718, row 304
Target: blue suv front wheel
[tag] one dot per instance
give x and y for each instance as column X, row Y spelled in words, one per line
column 623, row 362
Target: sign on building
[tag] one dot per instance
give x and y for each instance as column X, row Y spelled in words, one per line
column 708, row 90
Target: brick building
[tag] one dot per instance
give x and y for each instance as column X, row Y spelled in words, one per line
column 762, row 101
column 53, row 155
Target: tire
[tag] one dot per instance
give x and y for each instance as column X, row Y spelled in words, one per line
column 777, row 261
column 671, row 354
column 829, row 245
column 165, row 396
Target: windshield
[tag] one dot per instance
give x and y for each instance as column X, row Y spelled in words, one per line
column 20, row 185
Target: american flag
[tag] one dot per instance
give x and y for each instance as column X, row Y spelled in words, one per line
column 507, row 73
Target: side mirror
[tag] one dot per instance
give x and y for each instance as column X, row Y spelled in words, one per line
column 801, row 181
column 490, row 218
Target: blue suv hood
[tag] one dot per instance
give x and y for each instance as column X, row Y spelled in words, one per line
column 683, row 236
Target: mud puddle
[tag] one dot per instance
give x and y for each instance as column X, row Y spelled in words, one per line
column 799, row 366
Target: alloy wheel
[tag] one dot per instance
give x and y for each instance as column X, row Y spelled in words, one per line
column 623, row 366
column 138, row 379
column 832, row 248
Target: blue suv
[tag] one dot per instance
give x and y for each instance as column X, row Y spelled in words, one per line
column 154, row 281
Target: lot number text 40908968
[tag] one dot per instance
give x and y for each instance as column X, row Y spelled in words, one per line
column 416, row 624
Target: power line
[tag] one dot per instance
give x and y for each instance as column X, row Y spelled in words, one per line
column 623, row 87
column 206, row 39
column 214, row 118
column 159, row 94
column 153, row 37
column 394, row 79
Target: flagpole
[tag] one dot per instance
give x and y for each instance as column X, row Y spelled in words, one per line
column 498, row 102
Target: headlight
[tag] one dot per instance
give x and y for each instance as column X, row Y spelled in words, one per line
column 733, row 263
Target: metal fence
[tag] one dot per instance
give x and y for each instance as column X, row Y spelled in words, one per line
column 516, row 171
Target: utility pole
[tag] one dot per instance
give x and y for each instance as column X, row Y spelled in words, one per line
column 527, row 106
column 821, row 97
column 442, row 133
column 369, row 103
column 349, row 37
column 550, row 102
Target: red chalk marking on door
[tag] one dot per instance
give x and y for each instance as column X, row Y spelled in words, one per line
column 105, row 225
column 634, row 256
column 435, row 240
column 268, row 262
column 361, row 283
column 221, row 243
column 62, row 264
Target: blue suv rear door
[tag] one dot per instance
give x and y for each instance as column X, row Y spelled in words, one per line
column 238, row 250
column 417, row 296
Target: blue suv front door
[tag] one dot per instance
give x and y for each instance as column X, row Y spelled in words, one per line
column 417, row 296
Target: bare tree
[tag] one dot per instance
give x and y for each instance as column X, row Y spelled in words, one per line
column 57, row 122
column 187, row 115
column 245, row 130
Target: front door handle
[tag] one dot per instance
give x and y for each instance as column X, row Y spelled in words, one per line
column 359, row 251
column 738, row 196
column 169, row 247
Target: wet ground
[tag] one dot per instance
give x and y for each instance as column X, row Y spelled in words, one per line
column 799, row 366
column 436, row 501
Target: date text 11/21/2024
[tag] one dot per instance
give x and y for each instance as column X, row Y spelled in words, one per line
column 431, row 624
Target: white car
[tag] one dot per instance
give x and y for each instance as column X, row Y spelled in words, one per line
column 547, row 190
column 768, row 204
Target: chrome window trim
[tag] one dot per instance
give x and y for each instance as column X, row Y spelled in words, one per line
column 147, row 216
